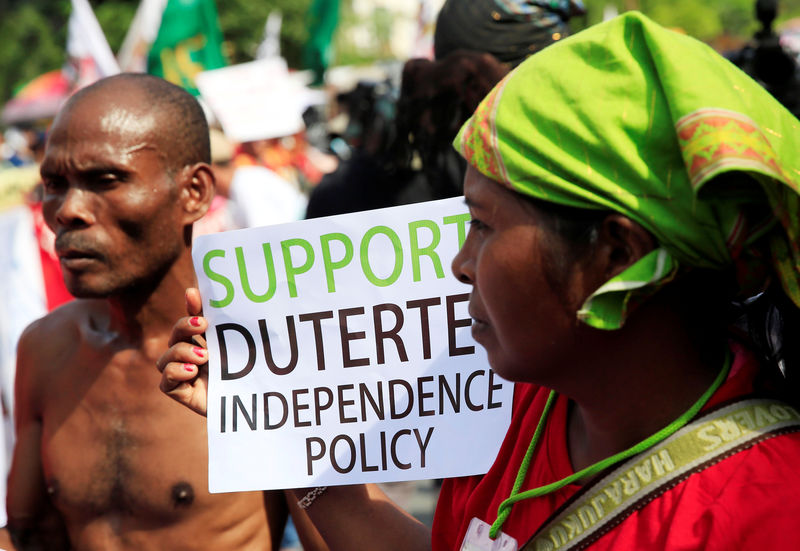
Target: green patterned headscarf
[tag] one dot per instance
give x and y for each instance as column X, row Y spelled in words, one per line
column 631, row 117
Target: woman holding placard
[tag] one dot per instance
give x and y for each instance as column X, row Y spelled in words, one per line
column 627, row 186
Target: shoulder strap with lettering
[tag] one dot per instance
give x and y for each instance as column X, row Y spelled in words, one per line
column 606, row 502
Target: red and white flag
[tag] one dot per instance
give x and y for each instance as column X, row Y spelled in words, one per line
column 90, row 56
column 132, row 55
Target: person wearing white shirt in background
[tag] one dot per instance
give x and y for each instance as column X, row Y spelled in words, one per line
column 247, row 196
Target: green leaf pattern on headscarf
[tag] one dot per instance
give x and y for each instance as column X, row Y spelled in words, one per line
column 631, row 117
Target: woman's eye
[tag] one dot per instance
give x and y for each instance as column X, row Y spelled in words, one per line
column 477, row 224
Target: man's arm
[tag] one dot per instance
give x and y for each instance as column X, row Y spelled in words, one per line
column 33, row 522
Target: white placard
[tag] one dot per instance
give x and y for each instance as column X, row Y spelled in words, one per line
column 255, row 100
column 341, row 353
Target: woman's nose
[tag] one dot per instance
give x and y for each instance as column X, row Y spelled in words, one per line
column 463, row 265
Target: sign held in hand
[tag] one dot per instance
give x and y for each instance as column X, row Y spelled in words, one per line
column 340, row 352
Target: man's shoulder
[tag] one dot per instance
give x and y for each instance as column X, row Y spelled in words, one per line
column 57, row 330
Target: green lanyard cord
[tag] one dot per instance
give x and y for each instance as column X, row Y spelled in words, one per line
column 505, row 507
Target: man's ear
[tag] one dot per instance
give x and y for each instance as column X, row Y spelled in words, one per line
column 621, row 242
column 197, row 191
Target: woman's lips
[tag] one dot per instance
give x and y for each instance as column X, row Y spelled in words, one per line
column 478, row 325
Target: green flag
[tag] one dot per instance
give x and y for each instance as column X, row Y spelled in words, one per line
column 189, row 41
column 323, row 17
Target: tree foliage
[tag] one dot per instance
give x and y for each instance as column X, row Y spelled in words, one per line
column 33, row 41
column 703, row 19
column 33, row 32
column 242, row 23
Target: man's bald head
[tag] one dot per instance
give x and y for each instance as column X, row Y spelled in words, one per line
column 181, row 129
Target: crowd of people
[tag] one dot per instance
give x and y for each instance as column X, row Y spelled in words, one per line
column 634, row 263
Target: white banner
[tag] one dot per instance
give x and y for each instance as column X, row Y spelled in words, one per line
column 256, row 100
column 87, row 45
column 341, row 353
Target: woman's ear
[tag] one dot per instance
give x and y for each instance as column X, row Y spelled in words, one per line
column 621, row 242
column 197, row 191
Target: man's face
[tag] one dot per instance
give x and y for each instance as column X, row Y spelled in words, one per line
column 108, row 198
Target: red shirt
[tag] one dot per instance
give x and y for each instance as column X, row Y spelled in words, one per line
column 750, row 500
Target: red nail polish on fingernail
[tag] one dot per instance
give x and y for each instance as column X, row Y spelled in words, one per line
column 195, row 321
column 188, row 367
column 199, row 351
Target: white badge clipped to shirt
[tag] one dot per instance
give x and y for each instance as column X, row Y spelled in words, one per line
column 477, row 539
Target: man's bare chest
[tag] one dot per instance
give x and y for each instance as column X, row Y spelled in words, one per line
column 114, row 444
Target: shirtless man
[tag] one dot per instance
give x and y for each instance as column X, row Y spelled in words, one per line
column 103, row 460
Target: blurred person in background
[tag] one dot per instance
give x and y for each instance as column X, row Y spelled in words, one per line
column 247, row 195
column 401, row 147
column 290, row 157
column 768, row 61
column 22, row 146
